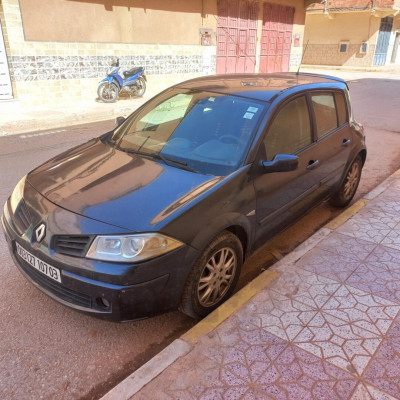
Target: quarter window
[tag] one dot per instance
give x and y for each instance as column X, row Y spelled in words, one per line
column 325, row 113
column 341, row 107
column 290, row 130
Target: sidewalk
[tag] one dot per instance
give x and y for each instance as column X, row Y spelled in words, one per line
column 15, row 118
column 322, row 323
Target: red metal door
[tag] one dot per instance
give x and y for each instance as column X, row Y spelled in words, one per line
column 276, row 38
column 236, row 36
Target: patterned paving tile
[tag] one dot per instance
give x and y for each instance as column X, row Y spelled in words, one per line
column 392, row 239
column 328, row 264
column 388, row 256
column 366, row 392
column 338, row 323
column 240, row 363
column 295, row 293
column 370, row 225
column 377, row 279
column 379, row 274
column 384, row 370
column 345, row 246
column 388, row 201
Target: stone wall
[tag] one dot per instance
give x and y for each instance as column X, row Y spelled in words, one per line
column 49, row 72
column 328, row 54
column 40, row 78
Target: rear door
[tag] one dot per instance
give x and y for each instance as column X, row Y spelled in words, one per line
column 333, row 134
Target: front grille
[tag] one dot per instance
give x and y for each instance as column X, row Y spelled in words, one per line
column 22, row 217
column 69, row 295
column 72, row 245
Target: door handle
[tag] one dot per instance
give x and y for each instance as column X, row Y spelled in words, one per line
column 346, row 142
column 312, row 164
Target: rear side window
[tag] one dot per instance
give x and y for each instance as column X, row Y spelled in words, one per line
column 341, row 107
column 325, row 112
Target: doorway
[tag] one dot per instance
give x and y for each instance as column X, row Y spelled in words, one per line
column 276, row 38
column 236, row 36
column 382, row 43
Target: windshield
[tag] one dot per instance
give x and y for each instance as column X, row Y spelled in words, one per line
column 206, row 132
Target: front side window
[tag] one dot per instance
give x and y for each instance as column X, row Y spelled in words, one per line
column 204, row 131
column 290, row 130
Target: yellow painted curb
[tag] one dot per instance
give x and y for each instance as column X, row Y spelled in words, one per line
column 347, row 214
column 214, row 319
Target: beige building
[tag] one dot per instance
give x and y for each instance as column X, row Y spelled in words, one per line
column 355, row 33
column 59, row 50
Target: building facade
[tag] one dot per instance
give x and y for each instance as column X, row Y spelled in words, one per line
column 354, row 33
column 59, row 50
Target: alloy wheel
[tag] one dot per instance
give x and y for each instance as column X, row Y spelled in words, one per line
column 216, row 277
column 352, row 179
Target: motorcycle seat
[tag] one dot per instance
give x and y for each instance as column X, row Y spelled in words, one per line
column 132, row 71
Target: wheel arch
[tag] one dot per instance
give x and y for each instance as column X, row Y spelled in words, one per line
column 239, row 225
column 242, row 235
column 363, row 155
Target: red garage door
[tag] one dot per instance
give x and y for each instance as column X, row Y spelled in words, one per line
column 236, row 36
column 276, row 38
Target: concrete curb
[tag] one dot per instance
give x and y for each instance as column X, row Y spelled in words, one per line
column 142, row 376
column 180, row 347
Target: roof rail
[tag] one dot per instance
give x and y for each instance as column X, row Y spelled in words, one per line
column 333, row 78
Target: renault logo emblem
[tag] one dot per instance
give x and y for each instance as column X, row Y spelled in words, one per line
column 40, row 232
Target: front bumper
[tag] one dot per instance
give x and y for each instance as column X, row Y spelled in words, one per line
column 117, row 292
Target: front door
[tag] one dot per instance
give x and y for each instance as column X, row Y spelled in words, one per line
column 283, row 196
column 236, row 36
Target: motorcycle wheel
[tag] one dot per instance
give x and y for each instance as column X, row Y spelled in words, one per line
column 140, row 87
column 108, row 92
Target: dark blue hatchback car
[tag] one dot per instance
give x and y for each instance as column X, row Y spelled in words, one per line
column 160, row 213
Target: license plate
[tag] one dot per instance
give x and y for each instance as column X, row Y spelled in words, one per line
column 41, row 266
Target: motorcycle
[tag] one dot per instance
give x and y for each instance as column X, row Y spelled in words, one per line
column 133, row 81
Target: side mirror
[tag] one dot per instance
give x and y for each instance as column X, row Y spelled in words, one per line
column 281, row 163
column 119, row 120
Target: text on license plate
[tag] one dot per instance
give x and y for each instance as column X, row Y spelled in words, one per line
column 41, row 266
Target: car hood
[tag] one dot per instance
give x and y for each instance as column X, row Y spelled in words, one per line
column 126, row 190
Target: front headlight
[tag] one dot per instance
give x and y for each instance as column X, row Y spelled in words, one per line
column 131, row 248
column 17, row 194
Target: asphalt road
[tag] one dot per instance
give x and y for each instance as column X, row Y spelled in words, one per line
column 49, row 351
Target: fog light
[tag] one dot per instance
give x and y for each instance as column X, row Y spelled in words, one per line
column 102, row 302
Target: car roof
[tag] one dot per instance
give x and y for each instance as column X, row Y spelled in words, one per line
column 263, row 87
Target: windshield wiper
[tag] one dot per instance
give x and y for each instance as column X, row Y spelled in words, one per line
column 169, row 160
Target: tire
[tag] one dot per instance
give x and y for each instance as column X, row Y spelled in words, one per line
column 349, row 186
column 108, row 92
column 213, row 277
column 141, row 87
